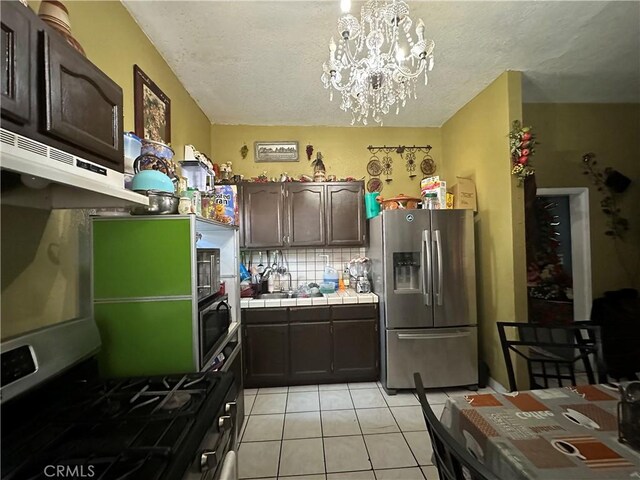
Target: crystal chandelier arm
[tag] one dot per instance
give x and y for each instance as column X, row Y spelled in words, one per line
column 406, row 72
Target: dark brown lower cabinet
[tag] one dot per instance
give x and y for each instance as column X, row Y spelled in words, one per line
column 310, row 345
column 355, row 346
column 266, row 354
column 305, row 345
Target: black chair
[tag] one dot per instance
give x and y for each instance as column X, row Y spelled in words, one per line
column 452, row 459
column 551, row 352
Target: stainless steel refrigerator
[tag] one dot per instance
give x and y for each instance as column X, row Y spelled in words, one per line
column 423, row 270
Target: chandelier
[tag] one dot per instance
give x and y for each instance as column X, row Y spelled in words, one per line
column 376, row 64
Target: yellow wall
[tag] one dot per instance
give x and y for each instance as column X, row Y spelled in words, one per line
column 612, row 131
column 114, row 42
column 344, row 150
column 475, row 145
column 45, row 253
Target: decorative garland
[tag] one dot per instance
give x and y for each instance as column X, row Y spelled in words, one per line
column 521, row 141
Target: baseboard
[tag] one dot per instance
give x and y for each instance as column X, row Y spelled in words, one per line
column 497, row 386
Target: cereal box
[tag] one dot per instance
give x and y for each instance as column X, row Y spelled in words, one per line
column 226, row 204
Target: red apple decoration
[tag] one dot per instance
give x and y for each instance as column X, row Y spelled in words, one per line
column 525, row 152
column 523, row 159
column 526, row 136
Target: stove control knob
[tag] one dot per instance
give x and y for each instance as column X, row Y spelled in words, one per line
column 225, row 423
column 208, row 460
column 231, row 408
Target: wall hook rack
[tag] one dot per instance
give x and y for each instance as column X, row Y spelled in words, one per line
column 400, row 149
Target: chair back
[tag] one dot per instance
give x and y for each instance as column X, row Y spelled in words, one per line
column 550, row 352
column 452, row 459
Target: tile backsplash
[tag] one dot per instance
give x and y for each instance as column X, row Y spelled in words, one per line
column 305, row 264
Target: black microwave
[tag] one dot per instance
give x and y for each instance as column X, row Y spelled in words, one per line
column 214, row 320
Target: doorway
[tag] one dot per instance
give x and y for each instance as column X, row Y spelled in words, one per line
column 559, row 280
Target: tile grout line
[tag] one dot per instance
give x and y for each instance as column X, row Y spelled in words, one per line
column 402, row 433
column 282, row 438
column 362, row 433
column 324, row 454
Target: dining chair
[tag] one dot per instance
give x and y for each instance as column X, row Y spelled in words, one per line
column 453, row 461
column 551, row 352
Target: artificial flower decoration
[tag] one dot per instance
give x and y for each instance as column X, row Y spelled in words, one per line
column 521, row 142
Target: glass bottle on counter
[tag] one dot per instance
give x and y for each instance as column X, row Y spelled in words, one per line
column 431, row 201
column 345, row 275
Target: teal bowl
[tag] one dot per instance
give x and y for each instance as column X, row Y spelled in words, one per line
column 152, row 180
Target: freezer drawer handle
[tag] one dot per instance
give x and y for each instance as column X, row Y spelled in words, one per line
column 426, row 266
column 428, row 336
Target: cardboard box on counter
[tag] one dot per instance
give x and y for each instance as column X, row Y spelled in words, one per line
column 464, row 194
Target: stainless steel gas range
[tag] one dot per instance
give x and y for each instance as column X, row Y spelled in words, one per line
column 166, row 428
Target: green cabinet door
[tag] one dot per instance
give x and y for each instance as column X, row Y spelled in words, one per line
column 145, row 338
column 134, row 258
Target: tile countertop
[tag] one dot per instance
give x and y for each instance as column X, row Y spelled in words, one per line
column 347, row 297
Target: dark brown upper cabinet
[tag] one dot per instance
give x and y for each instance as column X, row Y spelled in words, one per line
column 345, row 214
column 311, row 214
column 82, row 105
column 263, row 212
column 56, row 96
column 304, row 214
column 16, row 62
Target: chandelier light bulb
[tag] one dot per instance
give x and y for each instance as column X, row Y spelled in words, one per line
column 371, row 72
column 345, row 6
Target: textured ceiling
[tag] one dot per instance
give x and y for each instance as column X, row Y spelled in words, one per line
column 260, row 62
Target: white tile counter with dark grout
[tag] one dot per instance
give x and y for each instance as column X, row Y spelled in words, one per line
column 346, row 297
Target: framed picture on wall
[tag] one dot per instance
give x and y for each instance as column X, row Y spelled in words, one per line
column 276, row 151
column 152, row 108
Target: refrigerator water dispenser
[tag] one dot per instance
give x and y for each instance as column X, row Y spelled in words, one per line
column 406, row 271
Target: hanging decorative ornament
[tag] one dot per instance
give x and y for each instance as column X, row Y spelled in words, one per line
column 374, row 185
column 521, row 142
column 387, row 168
column 374, row 168
column 244, row 151
column 411, row 164
column 309, row 151
column 428, row 166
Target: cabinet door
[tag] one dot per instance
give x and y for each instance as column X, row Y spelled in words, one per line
column 310, row 351
column 345, row 214
column 16, row 61
column 83, row 106
column 263, row 210
column 266, row 354
column 304, row 207
column 355, row 349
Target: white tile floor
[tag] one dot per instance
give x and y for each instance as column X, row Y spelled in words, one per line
column 337, row 432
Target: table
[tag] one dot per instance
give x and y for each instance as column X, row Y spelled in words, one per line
column 566, row 433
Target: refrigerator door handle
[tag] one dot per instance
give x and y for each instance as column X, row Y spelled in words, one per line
column 425, row 252
column 438, row 242
column 428, row 336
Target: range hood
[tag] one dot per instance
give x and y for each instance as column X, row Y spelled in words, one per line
column 52, row 178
